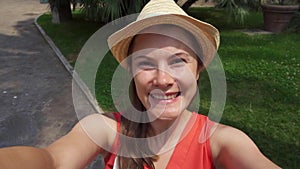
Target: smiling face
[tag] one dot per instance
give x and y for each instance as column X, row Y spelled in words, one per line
column 165, row 72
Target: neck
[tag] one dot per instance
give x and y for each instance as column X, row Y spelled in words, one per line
column 167, row 132
column 158, row 126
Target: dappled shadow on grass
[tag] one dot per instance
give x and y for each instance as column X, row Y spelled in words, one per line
column 222, row 19
column 262, row 91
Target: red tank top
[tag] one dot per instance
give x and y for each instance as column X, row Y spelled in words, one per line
column 193, row 151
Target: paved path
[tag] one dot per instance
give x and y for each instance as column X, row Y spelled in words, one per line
column 36, row 104
column 35, row 89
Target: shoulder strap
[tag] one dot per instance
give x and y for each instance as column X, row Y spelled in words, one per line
column 110, row 157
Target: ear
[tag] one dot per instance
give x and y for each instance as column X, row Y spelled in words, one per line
column 199, row 70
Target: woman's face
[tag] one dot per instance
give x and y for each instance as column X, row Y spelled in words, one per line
column 165, row 74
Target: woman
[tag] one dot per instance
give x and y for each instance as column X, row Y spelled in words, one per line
column 165, row 50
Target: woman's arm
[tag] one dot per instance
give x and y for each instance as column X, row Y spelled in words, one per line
column 233, row 149
column 25, row 157
column 73, row 151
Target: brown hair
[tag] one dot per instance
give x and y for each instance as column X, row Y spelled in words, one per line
column 135, row 130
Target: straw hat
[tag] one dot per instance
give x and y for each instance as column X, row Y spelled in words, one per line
column 158, row 12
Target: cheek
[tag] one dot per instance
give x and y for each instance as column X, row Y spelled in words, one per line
column 187, row 81
column 188, row 84
column 141, row 81
column 187, row 75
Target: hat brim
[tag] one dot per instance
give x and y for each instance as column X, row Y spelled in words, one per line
column 206, row 35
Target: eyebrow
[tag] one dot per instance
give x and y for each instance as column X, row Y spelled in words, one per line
column 182, row 54
column 171, row 56
column 139, row 56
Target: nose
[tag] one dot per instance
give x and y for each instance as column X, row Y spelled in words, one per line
column 163, row 79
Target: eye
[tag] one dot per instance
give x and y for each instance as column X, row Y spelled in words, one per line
column 177, row 61
column 146, row 65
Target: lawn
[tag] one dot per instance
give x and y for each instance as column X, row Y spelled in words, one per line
column 262, row 74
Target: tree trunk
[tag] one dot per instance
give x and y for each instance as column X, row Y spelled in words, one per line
column 61, row 10
column 187, row 4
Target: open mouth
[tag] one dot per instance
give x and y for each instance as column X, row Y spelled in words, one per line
column 168, row 96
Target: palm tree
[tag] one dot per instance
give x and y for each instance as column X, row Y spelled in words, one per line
column 108, row 10
column 188, row 3
column 61, row 10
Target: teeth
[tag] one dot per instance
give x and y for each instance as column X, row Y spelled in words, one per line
column 163, row 97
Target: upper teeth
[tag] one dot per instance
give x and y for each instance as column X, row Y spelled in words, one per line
column 163, row 97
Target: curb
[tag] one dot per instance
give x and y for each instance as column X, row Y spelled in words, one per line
column 58, row 53
column 82, row 86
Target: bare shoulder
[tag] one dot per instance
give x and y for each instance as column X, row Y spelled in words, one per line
column 100, row 128
column 232, row 148
column 225, row 135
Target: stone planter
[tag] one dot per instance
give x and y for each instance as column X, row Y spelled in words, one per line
column 277, row 17
column 43, row 1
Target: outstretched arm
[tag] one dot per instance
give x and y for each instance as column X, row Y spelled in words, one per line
column 233, row 149
column 25, row 158
column 73, row 151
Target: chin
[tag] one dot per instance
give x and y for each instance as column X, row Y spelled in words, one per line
column 167, row 114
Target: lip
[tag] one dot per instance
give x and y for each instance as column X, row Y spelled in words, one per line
column 164, row 98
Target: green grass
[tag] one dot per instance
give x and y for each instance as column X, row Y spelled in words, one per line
column 70, row 36
column 262, row 73
column 263, row 91
column 221, row 20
